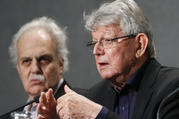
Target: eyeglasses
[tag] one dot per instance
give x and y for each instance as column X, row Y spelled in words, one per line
column 109, row 43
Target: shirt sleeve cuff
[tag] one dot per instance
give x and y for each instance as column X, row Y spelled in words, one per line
column 102, row 114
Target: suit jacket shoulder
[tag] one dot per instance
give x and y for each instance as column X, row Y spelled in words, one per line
column 169, row 103
column 156, row 83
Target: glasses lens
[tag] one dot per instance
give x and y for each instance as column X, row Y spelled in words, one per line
column 109, row 43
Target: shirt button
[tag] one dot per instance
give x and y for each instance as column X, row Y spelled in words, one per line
column 123, row 108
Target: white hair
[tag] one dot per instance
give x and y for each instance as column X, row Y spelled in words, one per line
column 51, row 26
column 127, row 14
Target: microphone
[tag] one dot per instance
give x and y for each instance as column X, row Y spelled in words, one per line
column 36, row 99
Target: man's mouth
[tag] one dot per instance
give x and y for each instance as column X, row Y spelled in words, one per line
column 103, row 64
column 35, row 81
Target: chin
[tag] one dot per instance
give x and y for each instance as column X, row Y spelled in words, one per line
column 106, row 76
column 109, row 75
column 36, row 90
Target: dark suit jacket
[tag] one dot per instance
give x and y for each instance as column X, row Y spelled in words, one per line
column 168, row 104
column 155, row 84
column 60, row 91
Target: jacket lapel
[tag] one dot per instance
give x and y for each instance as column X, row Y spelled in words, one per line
column 60, row 91
column 110, row 97
column 145, row 89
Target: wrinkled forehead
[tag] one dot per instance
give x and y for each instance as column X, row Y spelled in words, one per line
column 41, row 31
column 36, row 39
column 36, row 34
column 107, row 30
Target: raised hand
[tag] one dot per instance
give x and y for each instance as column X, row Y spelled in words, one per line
column 47, row 106
column 75, row 106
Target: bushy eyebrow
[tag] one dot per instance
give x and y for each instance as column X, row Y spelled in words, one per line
column 48, row 56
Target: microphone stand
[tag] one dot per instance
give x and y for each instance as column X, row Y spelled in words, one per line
column 36, row 99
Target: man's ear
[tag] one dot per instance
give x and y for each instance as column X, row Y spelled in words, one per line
column 142, row 41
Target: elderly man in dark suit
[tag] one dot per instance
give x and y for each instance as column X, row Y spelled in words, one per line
column 135, row 83
column 39, row 53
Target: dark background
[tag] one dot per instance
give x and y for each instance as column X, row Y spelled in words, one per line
column 163, row 15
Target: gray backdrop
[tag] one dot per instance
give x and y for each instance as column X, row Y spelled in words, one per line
column 163, row 15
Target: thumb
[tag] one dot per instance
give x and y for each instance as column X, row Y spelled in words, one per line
column 67, row 89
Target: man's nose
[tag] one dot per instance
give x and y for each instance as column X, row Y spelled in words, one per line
column 98, row 49
column 35, row 67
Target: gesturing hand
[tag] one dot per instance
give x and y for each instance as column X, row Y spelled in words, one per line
column 75, row 106
column 47, row 106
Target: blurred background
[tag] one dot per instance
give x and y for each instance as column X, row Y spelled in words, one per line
column 162, row 14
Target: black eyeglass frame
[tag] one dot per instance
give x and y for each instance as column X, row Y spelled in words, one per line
column 90, row 43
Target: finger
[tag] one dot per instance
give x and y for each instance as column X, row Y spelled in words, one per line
column 41, row 109
column 51, row 96
column 62, row 98
column 43, row 116
column 40, row 117
column 61, row 113
column 67, row 89
column 59, row 107
column 69, row 93
column 47, row 95
column 43, row 98
column 66, row 117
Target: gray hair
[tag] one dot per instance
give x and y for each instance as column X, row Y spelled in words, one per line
column 127, row 12
column 51, row 26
